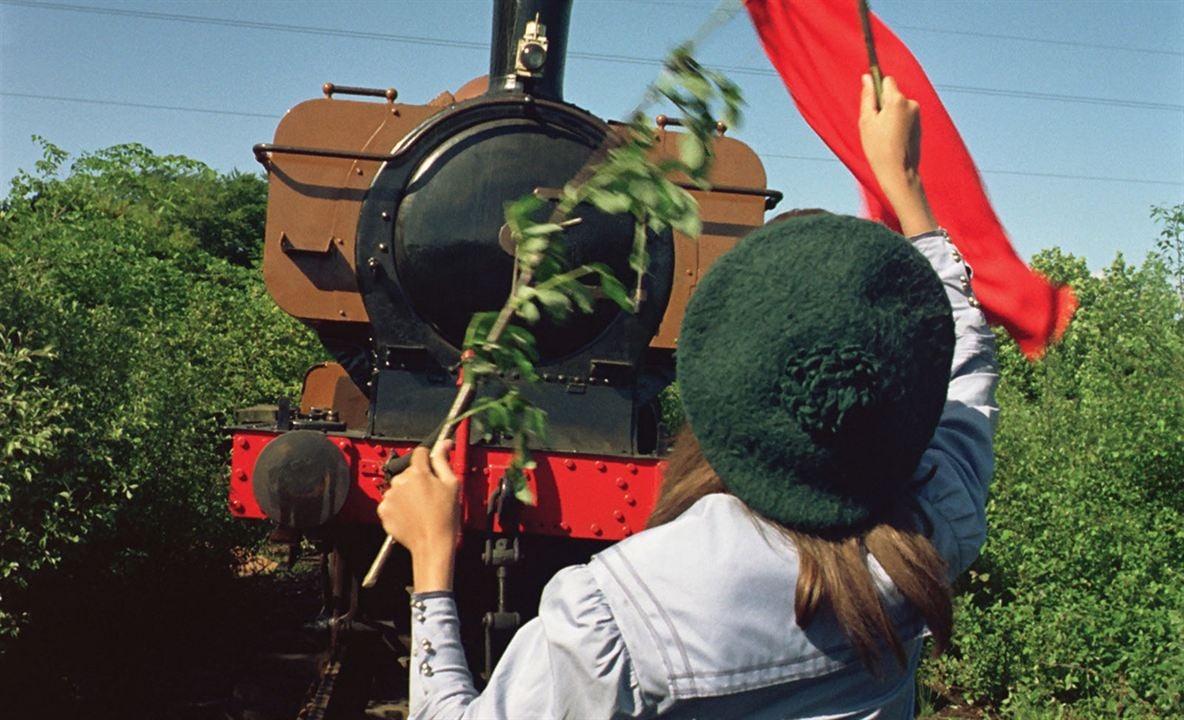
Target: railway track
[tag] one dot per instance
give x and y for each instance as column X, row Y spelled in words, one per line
column 361, row 677
column 293, row 670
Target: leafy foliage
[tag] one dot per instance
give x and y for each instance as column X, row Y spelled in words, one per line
column 1076, row 607
column 1171, row 241
column 132, row 322
column 31, row 429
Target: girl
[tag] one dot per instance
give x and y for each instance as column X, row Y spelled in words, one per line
column 839, row 387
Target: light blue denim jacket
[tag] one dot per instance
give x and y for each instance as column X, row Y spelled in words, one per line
column 695, row 618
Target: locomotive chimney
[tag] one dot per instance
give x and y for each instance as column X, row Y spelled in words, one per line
column 529, row 47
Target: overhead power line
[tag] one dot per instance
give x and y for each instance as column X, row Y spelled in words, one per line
column 1041, row 41
column 963, row 33
column 146, row 106
column 1101, row 178
column 997, row 92
column 689, row 4
column 599, row 57
column 973, row 90
column 1021, row 173
column 249, row 24
column 1031, row 95
column 779, row 156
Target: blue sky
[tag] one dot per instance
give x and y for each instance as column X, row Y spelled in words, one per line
column 1073, row 110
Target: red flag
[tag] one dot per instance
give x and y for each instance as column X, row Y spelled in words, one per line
column 818, row 48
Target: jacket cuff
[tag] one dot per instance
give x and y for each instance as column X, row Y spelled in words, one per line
column 947, row 261
column 438, row 667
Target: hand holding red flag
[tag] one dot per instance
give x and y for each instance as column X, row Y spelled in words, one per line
column 818, row 49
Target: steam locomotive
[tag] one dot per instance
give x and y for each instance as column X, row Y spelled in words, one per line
column 385, row 234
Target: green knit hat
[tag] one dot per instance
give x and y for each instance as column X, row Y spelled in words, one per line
column 812, row 363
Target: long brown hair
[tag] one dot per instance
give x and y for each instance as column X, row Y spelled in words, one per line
column 833, row 572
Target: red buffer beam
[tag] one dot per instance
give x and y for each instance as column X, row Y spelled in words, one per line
column 579, row 496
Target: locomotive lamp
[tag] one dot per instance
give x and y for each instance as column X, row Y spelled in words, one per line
column 301, row 479
column 528, row 47
column 532, row 50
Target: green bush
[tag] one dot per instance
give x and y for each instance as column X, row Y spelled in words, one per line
column 31, row 428
column 133, row 321
column 1076, row 607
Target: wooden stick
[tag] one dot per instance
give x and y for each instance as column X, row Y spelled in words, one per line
column 384, row 553
column 872, row 63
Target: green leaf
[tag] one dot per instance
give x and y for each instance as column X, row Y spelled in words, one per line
column 518, row 212
column 646, row 192
column 582, row 296
column 615, row 290
column 522, row 338
column 525, row 495
column 497, row 415
column 692, row 152
column 540, row 229
column 697, row 85
column 689, row 224
column 478, row 327
column 535, row 422
column 476, row 367
column 556, row 303
column 513, row 359
column 610, row 202
column 533, row 245
column 528, row 312
column 477, row 408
